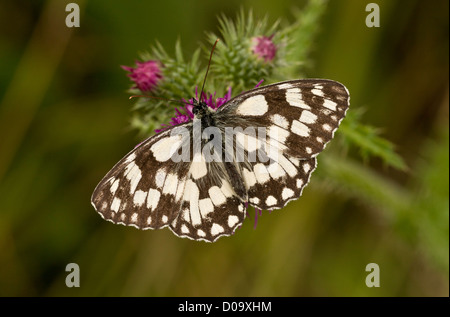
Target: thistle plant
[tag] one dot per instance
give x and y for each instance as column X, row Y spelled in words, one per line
column 249, row 51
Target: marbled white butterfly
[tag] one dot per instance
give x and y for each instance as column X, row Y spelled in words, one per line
column 201, row 198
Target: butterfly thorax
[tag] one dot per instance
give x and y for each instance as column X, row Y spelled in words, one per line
column 206, row 115
column 202, row 112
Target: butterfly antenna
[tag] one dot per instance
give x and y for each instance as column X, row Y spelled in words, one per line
column 153, row 97
column 207, row 70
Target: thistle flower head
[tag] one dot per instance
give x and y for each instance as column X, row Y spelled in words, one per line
column 145, row 75
column 264, row 48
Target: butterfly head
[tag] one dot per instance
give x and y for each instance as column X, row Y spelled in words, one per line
column 204, row 113
column 200, row 107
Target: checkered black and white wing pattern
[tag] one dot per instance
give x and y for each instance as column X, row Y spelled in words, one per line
column 201, row 200
column 146, row 187
column 210, row 207
column 300, row 118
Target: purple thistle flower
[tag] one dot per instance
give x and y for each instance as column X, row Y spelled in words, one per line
column 145, row 75
column 258, row 212
column 184, row 114
column 263, row 47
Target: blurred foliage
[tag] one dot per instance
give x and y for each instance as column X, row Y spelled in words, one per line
column 64, row 109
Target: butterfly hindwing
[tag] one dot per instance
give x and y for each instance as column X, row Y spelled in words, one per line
column 273, row 186
column 210, row 207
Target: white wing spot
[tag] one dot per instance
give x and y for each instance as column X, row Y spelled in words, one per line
column 280, row 121
column 185, row 214
column 330, row 104
column 308, row 117
column 299, row 183
column 198, row 167
column 270, row 201
column 216, row 195
column 319, row 139
column 184, row 229
column 160, row 177
column 253, row 106
column 170, row 185
column 285, row 163
column 133, row 174
column 206, row 207
column 134, row 179
column 285, row 86
column 254, row 200
column 261, row 173
column 139, row 198
column 164, row 219
column 295, row 99
column 287, row 193
column 327, row 127
column 114, row 187
column 317, row 92
column 306, row 167
column 164, row 149
column 308, row 150
column 232, row 220
column 194, row 210
column 134, row 217
column 299, row 128
column 226, row 189
column 216, row 229
column 201, row 233
column 249, row 178
column 278, row 134
column 153, row 198
column 122, row 216
column 115, row 205
column 131, row 157
column 149, row 220
column 276, row 171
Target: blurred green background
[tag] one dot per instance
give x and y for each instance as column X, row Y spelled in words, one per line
column 64, row 117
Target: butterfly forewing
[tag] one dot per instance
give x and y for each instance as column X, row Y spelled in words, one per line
column 302, row 115
column 144, row 189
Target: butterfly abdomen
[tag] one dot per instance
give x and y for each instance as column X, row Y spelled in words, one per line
column 236, row 180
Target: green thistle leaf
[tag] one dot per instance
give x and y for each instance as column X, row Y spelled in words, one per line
column 366, row 138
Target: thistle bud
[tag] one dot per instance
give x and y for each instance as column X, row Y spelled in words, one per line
column 264, row 48
column 145, row 75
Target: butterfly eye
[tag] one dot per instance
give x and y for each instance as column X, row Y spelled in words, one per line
column 195, row 110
